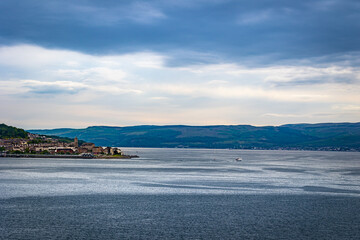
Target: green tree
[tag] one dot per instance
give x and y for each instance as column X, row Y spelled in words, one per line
column 12, row 132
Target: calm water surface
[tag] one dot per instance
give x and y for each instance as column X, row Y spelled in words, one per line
column 183, row 194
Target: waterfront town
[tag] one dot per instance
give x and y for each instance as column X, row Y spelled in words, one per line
column 38, row 144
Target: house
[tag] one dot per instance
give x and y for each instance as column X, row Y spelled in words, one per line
column 83, row 150
column 107, row 150
column 97, row 150
column 114, row 151
column 88, row 146
column 64, row 151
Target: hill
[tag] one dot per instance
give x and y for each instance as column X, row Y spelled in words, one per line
column 323, row 136
column 11, row 132
column 7, row 132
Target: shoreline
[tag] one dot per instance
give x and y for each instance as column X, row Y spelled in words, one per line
column 66, row 156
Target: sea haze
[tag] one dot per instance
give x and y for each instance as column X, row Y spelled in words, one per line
column 183, row 194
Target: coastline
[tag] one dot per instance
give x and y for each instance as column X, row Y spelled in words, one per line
column 66, row 156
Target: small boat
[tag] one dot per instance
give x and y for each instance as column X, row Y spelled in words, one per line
column 238, row 159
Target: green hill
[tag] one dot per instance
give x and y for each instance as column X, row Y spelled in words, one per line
column 325, row 136
column 12, row 132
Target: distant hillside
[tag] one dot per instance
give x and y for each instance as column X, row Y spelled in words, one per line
column 324, row 136
column 12, row 132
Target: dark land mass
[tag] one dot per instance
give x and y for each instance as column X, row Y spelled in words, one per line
column 7, row 132
column 12, row 132
column 322, row 136
column 17, row 143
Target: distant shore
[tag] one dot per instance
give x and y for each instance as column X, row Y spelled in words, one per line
column 66, row 156
column 309, row 137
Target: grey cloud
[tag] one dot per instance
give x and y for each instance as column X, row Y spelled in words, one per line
column 349, row 80
column 289, row 29
column 138, row 12
column 53, row 90
column 46, row 88
column 188, row 58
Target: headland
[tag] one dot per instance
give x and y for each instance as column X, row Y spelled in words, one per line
column 18, row 143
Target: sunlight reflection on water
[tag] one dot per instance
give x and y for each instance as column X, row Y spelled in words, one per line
column 186, row 171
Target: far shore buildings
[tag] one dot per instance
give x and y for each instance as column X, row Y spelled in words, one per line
column 42, row 144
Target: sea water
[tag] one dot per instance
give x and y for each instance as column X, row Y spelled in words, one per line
column 183, row 194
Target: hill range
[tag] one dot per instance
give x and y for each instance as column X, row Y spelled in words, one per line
column 322, row 136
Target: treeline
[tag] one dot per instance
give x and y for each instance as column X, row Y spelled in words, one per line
column 12, row 132
column 7, row 132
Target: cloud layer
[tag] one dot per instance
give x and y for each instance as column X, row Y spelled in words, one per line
column 67, row 63
column 43, row 87
column 257, row 32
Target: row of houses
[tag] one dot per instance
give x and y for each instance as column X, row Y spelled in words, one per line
column 41, row 144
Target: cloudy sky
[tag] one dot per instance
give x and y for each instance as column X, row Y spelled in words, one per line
column 66, row 63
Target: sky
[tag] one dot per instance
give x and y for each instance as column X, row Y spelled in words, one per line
column 66, row 63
